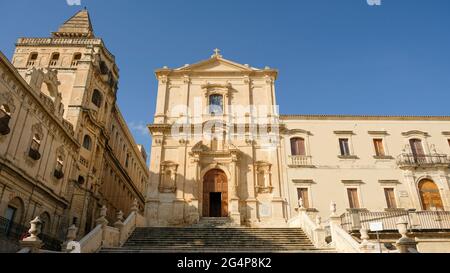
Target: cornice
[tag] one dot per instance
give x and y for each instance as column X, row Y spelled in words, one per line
column 364, row 117
column 21, row 81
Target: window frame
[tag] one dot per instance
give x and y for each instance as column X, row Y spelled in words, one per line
column 54, row 62
column 394, row 196
column 342, row 153
column 210, row 109
column 86, row 136
column 306, row 203
column 358, row 197
column 377, row 147
column 97, row 98
column 305, row 152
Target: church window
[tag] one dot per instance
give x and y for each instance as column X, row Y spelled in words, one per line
column 54, row 60
column 33, row 58
column 87, row 142
column 34, row 148
column 76, row 59
column 59, row 168
column 97, row 98
column 216, row 104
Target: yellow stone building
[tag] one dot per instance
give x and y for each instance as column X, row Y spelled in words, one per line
column 65, row 147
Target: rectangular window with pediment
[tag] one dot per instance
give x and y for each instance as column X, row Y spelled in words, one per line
column 353, row 198
column 345, row 147
column 379, row 147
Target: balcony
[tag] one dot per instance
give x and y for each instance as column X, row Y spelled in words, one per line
column 431, row 160
column 353, row 221
column 300, row 161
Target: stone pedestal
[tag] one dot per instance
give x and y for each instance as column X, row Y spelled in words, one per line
column 34, row 245
column 151, row 212
column 178, row 212
column 278, row 211
column 235, row 215
column 407, row 245
column 252, row 211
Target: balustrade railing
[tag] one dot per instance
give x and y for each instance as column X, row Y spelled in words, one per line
column 300, row 161
column 16, row 232
column 417, row 220
column 412, row 160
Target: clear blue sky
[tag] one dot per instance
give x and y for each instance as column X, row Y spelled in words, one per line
column 334, row 57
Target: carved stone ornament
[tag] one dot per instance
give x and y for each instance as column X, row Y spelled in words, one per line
column 168, row 177
column 264, row 177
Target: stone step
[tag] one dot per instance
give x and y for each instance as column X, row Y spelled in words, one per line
column 210, row 239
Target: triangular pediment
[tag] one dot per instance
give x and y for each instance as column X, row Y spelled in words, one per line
column 217, row 65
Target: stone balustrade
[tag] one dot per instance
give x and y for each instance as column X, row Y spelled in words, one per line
column 101, row 236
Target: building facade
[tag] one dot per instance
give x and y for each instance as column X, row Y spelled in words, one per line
column 38, row 149
column 72, row 81
column 221, row 149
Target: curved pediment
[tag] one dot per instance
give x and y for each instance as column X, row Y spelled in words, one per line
column 415, row 133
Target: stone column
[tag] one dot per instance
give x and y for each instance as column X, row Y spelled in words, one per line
column 413, row 191
column 161, row 99
column 252, row 202
column 405, row 244
column 3, row 199
column 445, row 192
column 234, row 205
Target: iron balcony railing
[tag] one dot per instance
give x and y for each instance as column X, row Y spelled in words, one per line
column 353, row 221
column 16, row 232
column 300, row 161
column 412, row 160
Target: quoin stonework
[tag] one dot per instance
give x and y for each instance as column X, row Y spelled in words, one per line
column 224, row 161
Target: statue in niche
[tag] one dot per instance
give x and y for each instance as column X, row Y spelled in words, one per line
column 168, row 177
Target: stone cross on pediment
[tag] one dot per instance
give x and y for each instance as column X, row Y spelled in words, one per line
column 216, row 53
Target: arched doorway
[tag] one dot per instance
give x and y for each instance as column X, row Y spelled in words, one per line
column 215, row 194
column 430, row 196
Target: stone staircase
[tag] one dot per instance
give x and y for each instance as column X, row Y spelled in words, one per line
column 207, row 238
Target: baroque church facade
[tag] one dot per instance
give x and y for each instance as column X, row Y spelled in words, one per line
column 221, row 149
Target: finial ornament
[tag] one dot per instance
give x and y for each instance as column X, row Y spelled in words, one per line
column 216, row 53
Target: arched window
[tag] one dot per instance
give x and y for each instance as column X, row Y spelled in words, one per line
column 5, row 117
column 59, row 167
column 298, row 147
column 97, row 98
column 32, row 59
column 76, row 59
column 430, row 196
column 87, row 142
column 54, row 60
column 34, row 147
column 14, row 212
column 216, row 104
column 127, row 160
